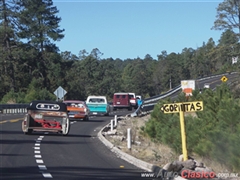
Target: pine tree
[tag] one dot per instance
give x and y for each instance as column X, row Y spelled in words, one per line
column 39, row 25
column 9, row 43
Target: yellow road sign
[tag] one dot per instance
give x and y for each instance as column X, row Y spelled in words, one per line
column 224, row 79
column 184, row 107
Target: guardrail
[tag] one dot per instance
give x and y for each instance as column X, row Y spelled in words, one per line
column 13, row 108
column 149, row 103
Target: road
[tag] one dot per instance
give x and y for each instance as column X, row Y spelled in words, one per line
column 80, row 155
column 213, row 81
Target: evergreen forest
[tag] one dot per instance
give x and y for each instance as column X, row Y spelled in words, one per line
column 32, row 66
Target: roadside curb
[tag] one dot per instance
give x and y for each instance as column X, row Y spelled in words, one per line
column 137, row 162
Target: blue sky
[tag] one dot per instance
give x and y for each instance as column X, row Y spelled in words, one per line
column 130, row 29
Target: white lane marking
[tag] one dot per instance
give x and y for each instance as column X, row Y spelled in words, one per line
column 42, row 167
column 47, row 175
column 38, row 156
column 39, row 161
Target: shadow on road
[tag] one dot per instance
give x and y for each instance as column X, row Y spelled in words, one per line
column 72, row 173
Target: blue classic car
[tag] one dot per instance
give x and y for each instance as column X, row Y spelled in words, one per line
column 98, row 105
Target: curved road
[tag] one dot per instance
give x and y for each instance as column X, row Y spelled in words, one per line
column 213, row 81
column 80, row 155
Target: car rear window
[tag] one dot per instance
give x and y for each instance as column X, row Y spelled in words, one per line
column 75, row 104
column 120, row 96
column 97, row 100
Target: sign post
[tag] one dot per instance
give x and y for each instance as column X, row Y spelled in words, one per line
column 60, row 93
column 181, row 108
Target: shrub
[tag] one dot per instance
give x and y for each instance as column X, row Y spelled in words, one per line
column 214, row 133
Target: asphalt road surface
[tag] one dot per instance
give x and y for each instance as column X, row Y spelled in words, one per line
column 80, row 155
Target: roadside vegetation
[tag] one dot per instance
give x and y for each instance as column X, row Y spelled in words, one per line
column 213, row 134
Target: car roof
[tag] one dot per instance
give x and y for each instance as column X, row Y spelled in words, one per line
column 96, row 96
column 33, row 105
column 120, row 93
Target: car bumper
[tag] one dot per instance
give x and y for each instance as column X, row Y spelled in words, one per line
column 98, row 113
column 77, row 116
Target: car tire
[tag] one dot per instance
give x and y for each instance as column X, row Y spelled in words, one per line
column 28, row 132
column 86, row 118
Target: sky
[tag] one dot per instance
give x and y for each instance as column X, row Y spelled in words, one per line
column 131, row 29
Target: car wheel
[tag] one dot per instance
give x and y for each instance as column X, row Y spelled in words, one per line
column 66, row 127
column 29, row 131
column 86, row 118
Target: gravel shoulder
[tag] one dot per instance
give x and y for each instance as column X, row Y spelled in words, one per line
column 146, row 150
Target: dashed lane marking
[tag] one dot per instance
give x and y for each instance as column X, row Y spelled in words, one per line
column 38, row 157
column 47, row 175
column 39, row 161
column 42, row 167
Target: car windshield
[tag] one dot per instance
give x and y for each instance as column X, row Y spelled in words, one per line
column 79, row 105
column 97, row 100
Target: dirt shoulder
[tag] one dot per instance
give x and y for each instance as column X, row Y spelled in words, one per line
column 145, row 149
column 142, row 147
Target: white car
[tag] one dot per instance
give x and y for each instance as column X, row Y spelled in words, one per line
column 206, row 85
